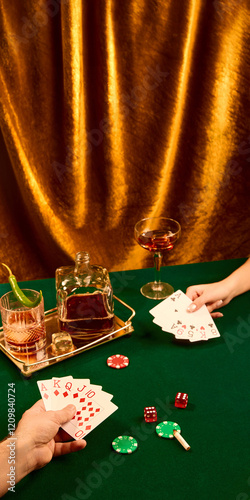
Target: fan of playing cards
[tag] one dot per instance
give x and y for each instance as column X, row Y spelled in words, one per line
column 93, row 405
column 171, row 314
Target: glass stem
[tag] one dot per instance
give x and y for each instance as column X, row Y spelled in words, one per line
column 157, row 263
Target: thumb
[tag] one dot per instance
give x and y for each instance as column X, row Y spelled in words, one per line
column 66, row 414
column 197, row 304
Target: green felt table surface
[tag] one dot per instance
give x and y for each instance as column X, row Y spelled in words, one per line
column 216, row 422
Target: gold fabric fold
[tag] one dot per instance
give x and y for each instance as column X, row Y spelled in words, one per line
column 113, row 111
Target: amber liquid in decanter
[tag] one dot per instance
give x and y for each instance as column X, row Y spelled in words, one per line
column 84, row 300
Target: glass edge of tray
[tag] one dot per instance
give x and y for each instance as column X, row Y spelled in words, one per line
column 27, row 369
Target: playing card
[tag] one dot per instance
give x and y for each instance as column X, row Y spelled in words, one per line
column 167, row 314
column 195, row 326
column 93, row 405
column 79, row 386
column 207, row 330
column 61, row 392
column 168, row 311
column 171, row 314
column 83, row 387
column 90, row 413
column 45, row 388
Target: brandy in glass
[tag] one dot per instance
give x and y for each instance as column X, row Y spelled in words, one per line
column 158, row 235
column 24, row 327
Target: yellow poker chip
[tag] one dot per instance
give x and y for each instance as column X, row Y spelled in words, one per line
column 125, row 444
column 118, row 361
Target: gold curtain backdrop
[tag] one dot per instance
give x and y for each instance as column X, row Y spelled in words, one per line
column 113, row 111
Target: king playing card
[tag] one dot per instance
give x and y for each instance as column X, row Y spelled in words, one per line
column 171, row 314
column 93, row 405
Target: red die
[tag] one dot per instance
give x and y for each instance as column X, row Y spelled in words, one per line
column 181, row 400
column 150, row 414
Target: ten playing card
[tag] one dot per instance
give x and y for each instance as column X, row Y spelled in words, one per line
column 90, row 413
column 93, row 405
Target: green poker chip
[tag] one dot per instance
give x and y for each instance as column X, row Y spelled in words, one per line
column 166, row 429
column 125, row 444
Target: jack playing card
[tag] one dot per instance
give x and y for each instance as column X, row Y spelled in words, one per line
column 93, row 405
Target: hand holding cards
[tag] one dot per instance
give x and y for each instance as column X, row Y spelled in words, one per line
column 92, row 404
column 172, row 316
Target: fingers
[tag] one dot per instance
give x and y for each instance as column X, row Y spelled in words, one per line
column 61, row 416
column 64, row 415
column 193, row 292
column 197, row 303
column 36, row 409
column 62, row 436
column 200, row 301
column 192, row 307
column 214, row 305
column 217, row 315
column 64, row 448
column 40, row 405
column 198, row 295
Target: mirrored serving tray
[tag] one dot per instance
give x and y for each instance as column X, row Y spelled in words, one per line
column 51, row 323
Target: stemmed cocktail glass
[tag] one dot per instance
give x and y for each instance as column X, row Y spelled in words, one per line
column 158, row 235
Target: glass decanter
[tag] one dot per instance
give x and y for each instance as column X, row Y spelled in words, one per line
column 84, row 300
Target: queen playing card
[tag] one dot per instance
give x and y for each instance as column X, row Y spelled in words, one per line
column 93, row 405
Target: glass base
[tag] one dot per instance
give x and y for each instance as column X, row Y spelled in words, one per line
column 157, row 291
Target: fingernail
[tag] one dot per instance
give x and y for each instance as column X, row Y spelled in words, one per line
column 217, row 315
column 72, row 408
column 219, row 303
column 191, row 308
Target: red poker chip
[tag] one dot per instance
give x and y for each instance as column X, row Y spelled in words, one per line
column 118, row 361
